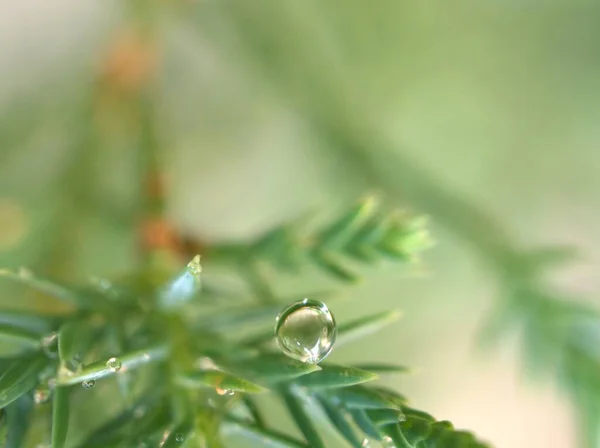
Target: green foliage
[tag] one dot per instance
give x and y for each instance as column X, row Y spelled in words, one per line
column 192, row 383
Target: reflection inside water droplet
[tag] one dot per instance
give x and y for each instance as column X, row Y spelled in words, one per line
column 179, row 437
column 114, row 364
column 88, row 384
column 306, row 331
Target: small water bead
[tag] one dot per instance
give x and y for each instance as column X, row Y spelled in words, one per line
column 366, row 443
column 220, row 391
column 114, row 364
column 50, row 345
column 42, row 394
column 88, row 384
column 387, row 442
column 306, row 331
column 194, row 267
column 179, row 437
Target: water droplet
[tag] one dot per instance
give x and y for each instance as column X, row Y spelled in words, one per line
column 220, row 391
column 42, row 394
column 114, row 364
column 194, row 267
column 365, row 443
column 50, row 345
column 224, row 391
column 146, row 355
column 88, row 384
column 387, row 442
column 179, row 437
column 306, row 331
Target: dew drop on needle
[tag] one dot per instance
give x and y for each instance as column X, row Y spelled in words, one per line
column 114, row 364
column 306, row 331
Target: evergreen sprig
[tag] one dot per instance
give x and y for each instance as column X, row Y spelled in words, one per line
column 181, row 378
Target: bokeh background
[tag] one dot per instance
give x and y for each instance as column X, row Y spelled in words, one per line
column 263, row 107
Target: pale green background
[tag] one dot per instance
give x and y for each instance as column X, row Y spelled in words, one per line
column 498, row 99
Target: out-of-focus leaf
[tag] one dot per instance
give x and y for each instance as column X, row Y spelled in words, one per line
column 237, row 316
column 362, row 398
column 301, row 419
column 116, row 428
column 340, row 232
column 363, row 421
column 364, row 326
column 178, row 435
column 329, row 263
column 253, row 410
column 340, row 422
column 331, row 376
column 215, row 379
column 269, row 369
column 54, row 289
column 60, row 416
column 395, row 434
column 382, row 417
column 73, row 340
column 383, row 368
column 268, row 437
column 415, row 430
column 20, row 377
column 18, row 415
column 15, row 340
column 128, row 362
column 33, row 323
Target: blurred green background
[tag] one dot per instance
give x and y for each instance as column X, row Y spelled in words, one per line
column 496, row 101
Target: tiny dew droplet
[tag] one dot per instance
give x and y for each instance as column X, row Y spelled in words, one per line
column 50, row 345
column 194, row 267
column 42, row 394
column 306, row 331
column 179, row 437
column 224, row 391
column 365, row 443
column 114, row 364
column 387, row 442
column 88, row 384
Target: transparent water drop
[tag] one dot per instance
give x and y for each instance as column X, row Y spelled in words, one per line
column 179, row 437
column 50, row 345
column 42, row 394
column 88, row 384
column 387, row 442
column 366, row 443
column 229, row 392
column 306, row 331
column 194, row 267
column 114, row 364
